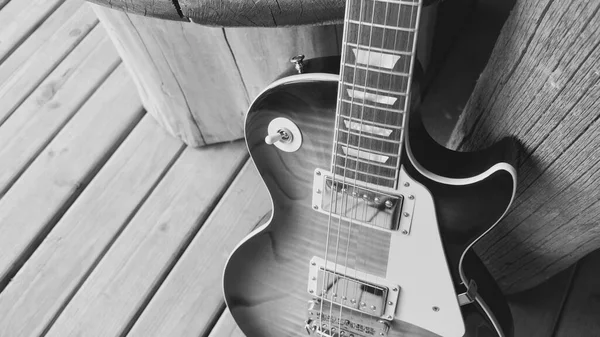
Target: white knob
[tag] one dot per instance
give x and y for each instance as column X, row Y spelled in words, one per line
column 273, row 138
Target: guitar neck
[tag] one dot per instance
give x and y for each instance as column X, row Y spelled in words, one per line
column 378, row 56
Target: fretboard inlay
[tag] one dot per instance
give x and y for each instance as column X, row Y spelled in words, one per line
column 377, row 62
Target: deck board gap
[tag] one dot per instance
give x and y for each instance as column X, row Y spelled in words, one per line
column 32, row 29
column 46, row 228
column 183, row 247
column 49, row 71
column 211, row 325
column 113, row 240
column 5, row 189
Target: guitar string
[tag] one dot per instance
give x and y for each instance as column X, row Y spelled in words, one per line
column 346, row 163
column 345, row 174
column 355, row 202
column 365, row 206
column 334, row 180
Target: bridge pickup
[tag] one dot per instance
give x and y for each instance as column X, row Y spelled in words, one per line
column 356, row 203
column 349, row 288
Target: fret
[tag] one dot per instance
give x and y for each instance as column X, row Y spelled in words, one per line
column 349, row 175
column 377, row 25
column 378, row 50
column 388, row 13
column 386, row 166
column 368, row 129
column 390, row 160
column 371, row 151
column 376, row 117
column 393, row 127
column 375, row 80
column 369, row 144
column 383, row 71
column 373, row 175
column 370, row 137
column 370, row 90
column 411, row 3
column 366, row 105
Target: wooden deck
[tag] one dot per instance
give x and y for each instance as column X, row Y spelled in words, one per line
column 110, row 227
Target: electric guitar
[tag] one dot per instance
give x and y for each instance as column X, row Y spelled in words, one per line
column 373, row 221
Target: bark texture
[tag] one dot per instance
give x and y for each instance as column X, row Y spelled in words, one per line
column 267, row 13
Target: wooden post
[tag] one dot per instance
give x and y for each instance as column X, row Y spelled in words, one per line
column 198, row 81
column 542, row 86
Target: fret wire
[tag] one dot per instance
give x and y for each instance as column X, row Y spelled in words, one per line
column 397, row 142
column 379, row 50
column 367, row 105
column 379, row 70
column 346, row 157
column 378, row 91
column 370, row 123
column 409, row 3
column 358, row 148
column 379, row 176
column 365, row 149
column 370, row 24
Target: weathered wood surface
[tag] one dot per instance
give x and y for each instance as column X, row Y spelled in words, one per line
column 137, row 262
column 235, row 12
column 542, row 85
column 198, row 81
column 18, row 82
column 43, row 113
column 194, row 284
column 79, row 240
column 63, row 169
column 14, row 13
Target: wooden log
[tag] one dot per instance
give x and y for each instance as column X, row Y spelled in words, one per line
column 542, row 86
column 235, row 12
column 198, row 81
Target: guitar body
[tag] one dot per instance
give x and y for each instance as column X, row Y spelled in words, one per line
column 456, row 198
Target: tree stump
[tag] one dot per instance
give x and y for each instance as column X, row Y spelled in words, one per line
column 542, row 86
column 198, row 81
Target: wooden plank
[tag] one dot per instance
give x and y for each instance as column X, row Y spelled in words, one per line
column 542, row 86
column 38, row 38
column 138, row 261
column 195, row 92
column 66, row 256
column 582, row 308
column 19, row 18
column 23, row 80
column 226, row 327
column 53, row 103
column 536, row 311
column 65, row 166
column 191, row 298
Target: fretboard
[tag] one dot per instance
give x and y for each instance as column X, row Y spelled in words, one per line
column 375, row 80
